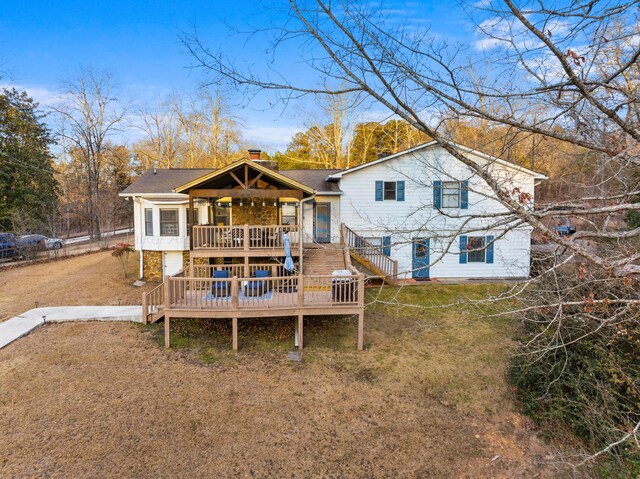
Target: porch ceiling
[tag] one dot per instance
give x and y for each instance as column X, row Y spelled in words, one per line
column 245, row 178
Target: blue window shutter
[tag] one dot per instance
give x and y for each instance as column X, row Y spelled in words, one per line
column 386, row 245
column 378, row 190
column 489, row 253
column 400, row 190
column 437, row 194
column 463, row 250
column 464, row 194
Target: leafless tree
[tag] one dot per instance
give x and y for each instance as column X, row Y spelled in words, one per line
column 541, row 72
column 89, row 115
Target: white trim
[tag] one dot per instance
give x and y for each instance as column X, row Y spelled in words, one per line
column 538, row 176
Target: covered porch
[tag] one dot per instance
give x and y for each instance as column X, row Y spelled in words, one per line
column 245, row 208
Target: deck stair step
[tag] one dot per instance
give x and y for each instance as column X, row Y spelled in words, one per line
column 323, row 259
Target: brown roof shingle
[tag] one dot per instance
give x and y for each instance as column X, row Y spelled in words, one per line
column 164, row 180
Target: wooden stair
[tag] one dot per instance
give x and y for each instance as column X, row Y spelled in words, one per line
column 370, row 257
column 323, row 259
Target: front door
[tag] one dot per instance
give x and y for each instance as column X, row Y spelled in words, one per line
column 322, row 223
column 420, row 266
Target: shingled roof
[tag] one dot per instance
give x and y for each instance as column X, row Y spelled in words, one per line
column 164, row 180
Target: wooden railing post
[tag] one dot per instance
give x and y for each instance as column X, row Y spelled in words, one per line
column 300, row 290
column 167, row 291
column 246, row 237
column 234, row 293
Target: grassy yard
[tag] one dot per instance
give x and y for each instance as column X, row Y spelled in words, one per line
column 428, row 398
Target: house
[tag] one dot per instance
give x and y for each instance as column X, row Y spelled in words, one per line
column 414, row 215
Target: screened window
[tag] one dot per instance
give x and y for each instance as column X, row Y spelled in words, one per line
column 169, row 225
column 148, row 222
column 222, row 214
column 450, row 194
column 476, row 252
column 192, row 216
column 389, row 190
column 289, row 214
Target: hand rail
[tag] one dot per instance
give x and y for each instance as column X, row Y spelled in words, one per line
column 251, row 293
column 361, row 249
column 152, row 302
column 244, row 237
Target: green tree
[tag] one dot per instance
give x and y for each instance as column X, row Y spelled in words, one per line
column 28, row 189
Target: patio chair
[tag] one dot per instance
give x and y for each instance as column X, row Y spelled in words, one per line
column 238, row 237
column 258, row 287
column 220, row 288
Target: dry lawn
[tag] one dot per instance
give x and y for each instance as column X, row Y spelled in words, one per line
column 427, row 399
column 92, row 279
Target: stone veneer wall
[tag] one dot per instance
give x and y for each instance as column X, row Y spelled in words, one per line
column 255, row 215
column 152, row 265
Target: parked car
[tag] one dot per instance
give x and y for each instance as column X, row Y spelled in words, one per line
column 9, row 247
column 41, row 242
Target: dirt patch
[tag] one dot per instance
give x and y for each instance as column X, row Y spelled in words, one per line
column 92, row 279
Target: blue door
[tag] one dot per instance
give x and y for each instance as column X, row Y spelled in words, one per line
column 322, row 222
column 420, row 266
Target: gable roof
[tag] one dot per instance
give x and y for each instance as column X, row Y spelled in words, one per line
column 163, row 181
column 424, row 146
column 252, row 164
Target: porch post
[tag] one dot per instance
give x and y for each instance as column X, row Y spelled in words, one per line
column 234, row 333
column 300, row 331
column 190, row 220
column 361, row 312
column 167, row 338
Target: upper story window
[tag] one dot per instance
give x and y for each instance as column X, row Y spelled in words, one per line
column 169, row 225
column 148, row 221
column 389, row 190
column 451, row 194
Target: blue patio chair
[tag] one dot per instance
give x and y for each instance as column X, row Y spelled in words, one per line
column 220, row 288
column 258, row 287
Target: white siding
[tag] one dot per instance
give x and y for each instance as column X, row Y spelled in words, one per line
column 417, row 217
column 158, row 242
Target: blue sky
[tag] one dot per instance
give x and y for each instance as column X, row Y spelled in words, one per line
column 43, row 42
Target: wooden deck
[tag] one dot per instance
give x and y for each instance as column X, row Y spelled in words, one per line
column 233, row 298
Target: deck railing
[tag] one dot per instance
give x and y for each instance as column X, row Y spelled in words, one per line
column 244, row 237
column 250, row 293
column 367, row 253
column 152, row 302
column 238, row 270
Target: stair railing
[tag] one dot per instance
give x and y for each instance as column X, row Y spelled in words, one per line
column 367, row 254
column 152, row 302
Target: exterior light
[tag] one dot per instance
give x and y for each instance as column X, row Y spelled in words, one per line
column 252, row 203
column 241, row 203
column 263, row 203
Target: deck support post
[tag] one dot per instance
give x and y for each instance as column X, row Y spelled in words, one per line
column 300, row 331
column 167, row 326
column 234, row 333
column 361, row 331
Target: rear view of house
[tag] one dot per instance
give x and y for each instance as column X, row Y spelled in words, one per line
column 250, row 240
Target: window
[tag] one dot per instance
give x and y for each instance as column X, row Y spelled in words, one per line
column 476, row 252
column 289, row 214
column 374, row 241
column 450, row 194
column 222, row 214
column 192, row 216
column 389, row 190
column 169, row 223
column 148, row 222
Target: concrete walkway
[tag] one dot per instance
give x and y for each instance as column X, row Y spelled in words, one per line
column 18, row 326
